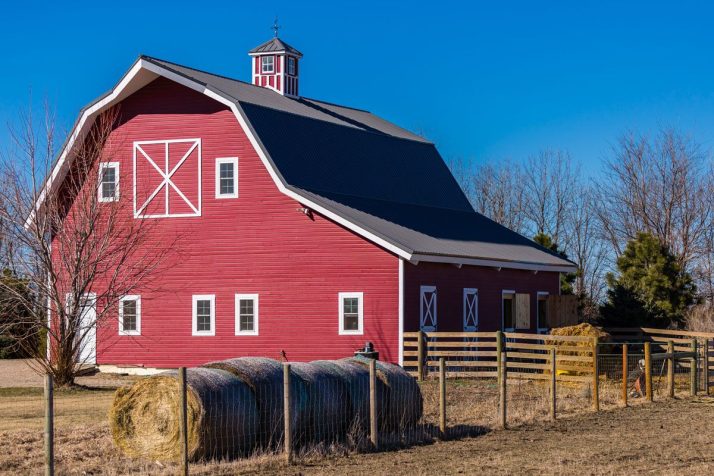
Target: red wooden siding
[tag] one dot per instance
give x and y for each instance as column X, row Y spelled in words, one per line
column 450, row 282
column 258, row 243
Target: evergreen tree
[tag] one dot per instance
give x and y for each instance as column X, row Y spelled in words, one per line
column 566, row 279
column 651, row 288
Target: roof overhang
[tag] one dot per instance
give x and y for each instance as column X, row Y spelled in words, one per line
column 144, row 71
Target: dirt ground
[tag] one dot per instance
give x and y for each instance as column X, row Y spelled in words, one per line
column 20, row 374
column 667, row 437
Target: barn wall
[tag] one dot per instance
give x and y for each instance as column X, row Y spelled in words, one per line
column 450, row 282
column 258, row 243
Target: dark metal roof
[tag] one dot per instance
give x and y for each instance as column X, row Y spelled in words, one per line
column 275, row 45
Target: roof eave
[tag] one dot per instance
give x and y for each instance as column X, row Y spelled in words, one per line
column 494, row 263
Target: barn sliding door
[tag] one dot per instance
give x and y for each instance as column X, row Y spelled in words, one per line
column 427, row 309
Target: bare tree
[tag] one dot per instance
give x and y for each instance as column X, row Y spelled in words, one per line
column 79, row 254
column 498, row 193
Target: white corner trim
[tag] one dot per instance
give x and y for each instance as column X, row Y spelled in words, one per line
column 360, row 313
column 194, row 324
column 226, row 160
column 256, row 314
column 130, row 297
column 117, row 181
column 401, row 310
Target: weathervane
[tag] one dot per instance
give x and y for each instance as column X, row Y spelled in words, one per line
column 275, row 26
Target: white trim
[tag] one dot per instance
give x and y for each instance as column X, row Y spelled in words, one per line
column 137, row 331
column 256, row 312
column 360, row 313
column 100, row 189
column 234, row 162
column 492, row 263
column 540, row 329
column 401, row 311
column 194, row 323
column 503, row 314
column 466, row 293
column 435, row 317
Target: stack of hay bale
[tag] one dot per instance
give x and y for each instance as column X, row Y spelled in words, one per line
column 235, row 407
column 565, row 349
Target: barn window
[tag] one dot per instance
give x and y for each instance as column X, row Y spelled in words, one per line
column 130, row 316
column 247, row 314
column 508, row 306
column 351, row 313
column 291, row 66
column 204, row 315
column 109, row 181
column 542, row 311
column 267, row 64
column 227, row 177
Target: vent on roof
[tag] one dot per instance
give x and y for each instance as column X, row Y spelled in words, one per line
column 275, row 66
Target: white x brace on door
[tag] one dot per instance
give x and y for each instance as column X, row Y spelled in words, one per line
column 427, row 308
column 470, row 310
column 167, row 178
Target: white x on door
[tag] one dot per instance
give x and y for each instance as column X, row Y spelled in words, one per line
column 427, row 308
column 470, row 310
column 167, row 178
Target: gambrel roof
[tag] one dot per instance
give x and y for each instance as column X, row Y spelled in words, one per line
column 380, row 181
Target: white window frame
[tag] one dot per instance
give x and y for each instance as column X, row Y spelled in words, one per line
column 263, row 69
column 539, row 329
column 503, row 310
column 194, row 326
column 137, row 331
column 100, row 191
column 422, row 291
column 468, row 292
column 291, row 65
column 227, row 160
column 256, row 307
column 360, row 313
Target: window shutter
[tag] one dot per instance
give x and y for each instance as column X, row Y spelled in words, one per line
column 552, row 308
column 562, row 311
column 523, row 311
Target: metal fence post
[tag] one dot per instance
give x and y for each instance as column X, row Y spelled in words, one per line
column 670, row 368
column 442, row 397
column 648, row 372
column 553, row 383
column 287, row 422
column 693, row 369
column 624, row 373
column 49, row 427
column 183, row 421
column 373, row 435
column 596, row 377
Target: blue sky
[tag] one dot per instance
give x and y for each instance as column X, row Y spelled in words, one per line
column 484, row 80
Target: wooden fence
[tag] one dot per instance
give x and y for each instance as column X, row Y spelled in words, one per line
column 478, row 354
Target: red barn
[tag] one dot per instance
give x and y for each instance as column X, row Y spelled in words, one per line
column 306, row 227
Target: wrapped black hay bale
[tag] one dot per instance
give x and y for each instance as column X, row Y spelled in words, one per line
column 403, row 402
column 328, row 408
column 265, row 377
column 222, row 416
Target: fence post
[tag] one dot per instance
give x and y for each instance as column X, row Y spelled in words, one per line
column 553, row 383
column 705, row 367
column 420, row 356
column 499, row 351
column 693, row 369
column 373, row 436
column 502, row 388
column 670, row 368
column 49, row 427
column 648, row 372
column 183, row 421
column 624, row 373
column 442, row 397
column 287, row 421
column 596, row 377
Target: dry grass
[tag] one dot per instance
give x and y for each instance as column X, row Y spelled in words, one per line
column 656, row 438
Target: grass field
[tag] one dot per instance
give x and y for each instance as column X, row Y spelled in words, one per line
column 661, row 438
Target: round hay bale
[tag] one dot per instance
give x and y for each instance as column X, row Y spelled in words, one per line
column 403, row 403
column 222, row 416
column 265, row 377
column 328, row 411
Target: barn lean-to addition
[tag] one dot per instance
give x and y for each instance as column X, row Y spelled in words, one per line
column 306, row 227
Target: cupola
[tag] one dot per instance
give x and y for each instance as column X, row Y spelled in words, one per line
column 275, row 66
